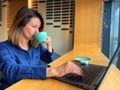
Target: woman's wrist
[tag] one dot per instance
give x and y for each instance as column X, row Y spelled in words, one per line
column 49, row 47
column 51, row 72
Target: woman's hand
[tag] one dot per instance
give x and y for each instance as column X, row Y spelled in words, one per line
column 48, row 42
column 64, row 69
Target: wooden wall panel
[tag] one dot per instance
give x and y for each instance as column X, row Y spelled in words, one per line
column 15, row 5
column 88, row 21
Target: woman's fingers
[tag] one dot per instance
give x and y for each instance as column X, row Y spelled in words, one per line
column 69, row 67
column 76, row 69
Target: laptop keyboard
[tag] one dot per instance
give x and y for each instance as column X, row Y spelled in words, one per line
column 90, row 72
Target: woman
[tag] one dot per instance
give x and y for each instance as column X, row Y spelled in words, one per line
column 20, row 55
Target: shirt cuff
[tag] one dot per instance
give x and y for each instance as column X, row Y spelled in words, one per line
column 39, row 72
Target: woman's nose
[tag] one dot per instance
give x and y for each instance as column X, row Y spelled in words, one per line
column 37, row 30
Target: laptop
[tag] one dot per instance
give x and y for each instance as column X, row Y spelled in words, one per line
column 93, row 74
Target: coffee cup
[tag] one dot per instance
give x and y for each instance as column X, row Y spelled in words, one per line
column 40, row 37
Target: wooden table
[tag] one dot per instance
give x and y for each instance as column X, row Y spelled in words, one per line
column 110, row 82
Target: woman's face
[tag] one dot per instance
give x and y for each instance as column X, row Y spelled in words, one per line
column 31, row 28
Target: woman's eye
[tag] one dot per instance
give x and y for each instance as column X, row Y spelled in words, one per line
column 34, row 26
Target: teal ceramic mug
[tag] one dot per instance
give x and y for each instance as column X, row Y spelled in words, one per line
column 40, row 37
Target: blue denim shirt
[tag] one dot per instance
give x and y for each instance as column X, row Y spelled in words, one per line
column 17, row 64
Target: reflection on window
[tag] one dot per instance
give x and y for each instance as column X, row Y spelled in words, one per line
column 114, row 30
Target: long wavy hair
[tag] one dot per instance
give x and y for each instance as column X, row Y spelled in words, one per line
column 21, row 19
